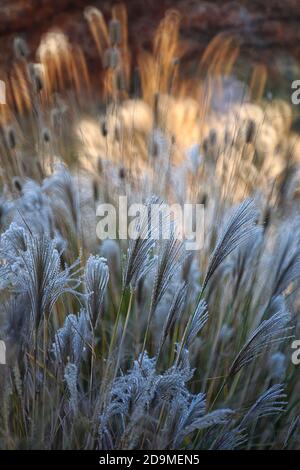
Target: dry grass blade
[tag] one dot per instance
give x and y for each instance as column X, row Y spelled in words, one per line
column 96, row 278
column 42, row 278
column 241, row 226
column 169, row 259
column 269, row 331
column 138, row 262
column 199, row 319
column 174, row 313
column 269, row 403
column 210, row 419
column 291, row 430
column 287, row 265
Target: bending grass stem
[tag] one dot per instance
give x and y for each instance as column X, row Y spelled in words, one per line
column 150, row 314
column 124, row 297
column 211, row 407
column 124, row 332
column 186, row 330
column 115, row 329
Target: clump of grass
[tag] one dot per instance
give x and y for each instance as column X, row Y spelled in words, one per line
column 82, row 361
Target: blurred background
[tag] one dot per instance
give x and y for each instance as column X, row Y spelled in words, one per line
column 267, row 31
